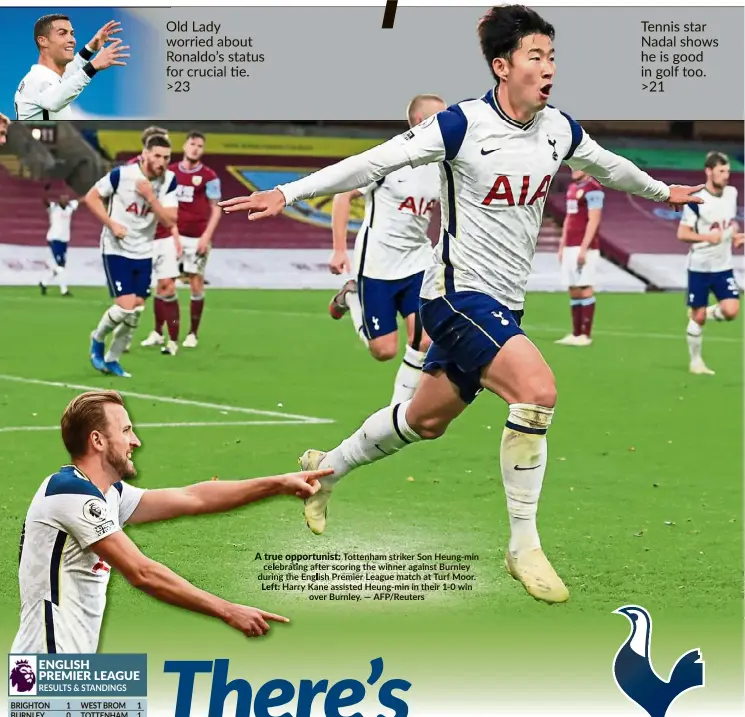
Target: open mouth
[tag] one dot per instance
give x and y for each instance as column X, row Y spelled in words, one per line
column 545, row 90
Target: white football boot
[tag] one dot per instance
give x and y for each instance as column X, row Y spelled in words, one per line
column 154, row 339
column 316, row 507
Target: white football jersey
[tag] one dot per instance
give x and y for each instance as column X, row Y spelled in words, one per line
column 128, row 208
column 392, row 242
column 495, row 174
column 45, row 95
column 60, row 219
column 62, row 580
column 717, row 212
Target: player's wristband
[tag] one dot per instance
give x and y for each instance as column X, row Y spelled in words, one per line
column 89, row 69
column 86, row 53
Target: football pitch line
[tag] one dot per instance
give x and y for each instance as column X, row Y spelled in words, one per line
column 286, row 417
column 187, row 424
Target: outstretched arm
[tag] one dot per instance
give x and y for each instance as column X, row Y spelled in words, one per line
column 436, row 139
column 221, row 496
column 165, row 585
column 617, row 172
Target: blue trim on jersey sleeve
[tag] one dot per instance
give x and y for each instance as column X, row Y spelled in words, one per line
column 212, row 189
column 595, row 199
column 173, row 185
column 453, row 125
column 118, row 486
column 577, row 134
column 67, row 482
column 694, row 208
column 114, row 177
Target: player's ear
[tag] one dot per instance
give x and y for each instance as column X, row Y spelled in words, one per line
column 499, row 66
column 96, row 439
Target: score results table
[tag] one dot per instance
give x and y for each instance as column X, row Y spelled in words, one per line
column 64, row 707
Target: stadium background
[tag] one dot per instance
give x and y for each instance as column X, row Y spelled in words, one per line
column 637, row 237
column 642, row 501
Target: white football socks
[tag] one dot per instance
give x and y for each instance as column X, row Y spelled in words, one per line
column 408, row 376
column 123, row 334
column 382, row 434
column 523, row 455
column 355, row 312
column 694, row 335
column 112, row 317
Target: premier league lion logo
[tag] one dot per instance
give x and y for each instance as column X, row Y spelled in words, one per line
column 22, row 676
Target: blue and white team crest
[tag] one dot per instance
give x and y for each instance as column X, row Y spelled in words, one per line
column 313, row 211
column 22, row 675
column 636, row 677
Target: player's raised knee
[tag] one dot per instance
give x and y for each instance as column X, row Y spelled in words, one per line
column 539, row 392
column 730, row 312
column 383, row 352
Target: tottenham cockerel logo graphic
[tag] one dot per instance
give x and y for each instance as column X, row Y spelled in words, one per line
column 22, row 677
column 635, row 676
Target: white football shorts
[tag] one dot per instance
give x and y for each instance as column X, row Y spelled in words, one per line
column 580, row 276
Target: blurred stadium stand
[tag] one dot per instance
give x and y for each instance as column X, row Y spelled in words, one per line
column 77, row 154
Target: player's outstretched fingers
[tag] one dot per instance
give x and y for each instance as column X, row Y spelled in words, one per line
column 235, row 203
column 272, row 616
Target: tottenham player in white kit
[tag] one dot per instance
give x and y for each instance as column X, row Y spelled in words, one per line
column 73, row 533
column 712, row 231
column 137, row 197
column 60, row 75
column 58, row 237
column 497, row 157
column 391, row 253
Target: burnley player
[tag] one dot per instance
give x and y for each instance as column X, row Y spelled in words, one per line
column 58, row 237
column 60, row 75
column 73, row 533
column 579, row 253
column 391, row 254
column 165, row 262
column 138, row 197
column 198, row 193
column 498, row 155
column 712, row 232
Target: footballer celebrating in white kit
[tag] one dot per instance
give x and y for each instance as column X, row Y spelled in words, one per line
column 60, row 75
column 391, row 253
column 497, row 156
column 129, row 202
column 712, row 231
column 73, row 533
column 58, row 237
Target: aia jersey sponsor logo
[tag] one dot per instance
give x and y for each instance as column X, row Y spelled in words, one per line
column 100, row 567
column 316, row 211
column 508, row 192
column 139, row 210
column 418, row 206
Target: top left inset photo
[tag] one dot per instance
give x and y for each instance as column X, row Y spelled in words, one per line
column 75, row 63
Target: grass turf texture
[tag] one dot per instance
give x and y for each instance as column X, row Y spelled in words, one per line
column 642, row 501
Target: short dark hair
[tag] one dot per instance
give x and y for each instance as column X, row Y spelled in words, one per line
column 502, row 29
column 84, row 414
column 714, row 159
column 157, row 140
column 196, row 135
column 43, row 26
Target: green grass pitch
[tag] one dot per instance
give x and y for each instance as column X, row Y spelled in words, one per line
column 642, row 499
